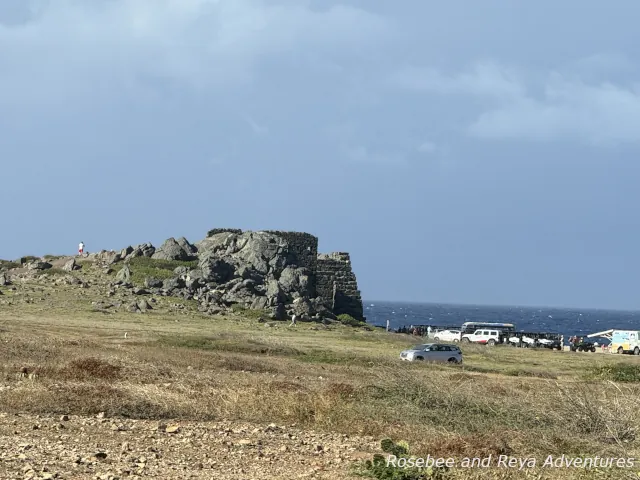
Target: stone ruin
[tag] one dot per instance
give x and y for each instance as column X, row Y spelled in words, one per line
column 279, row 272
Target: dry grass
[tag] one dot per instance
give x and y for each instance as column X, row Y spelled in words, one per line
column 503, row 401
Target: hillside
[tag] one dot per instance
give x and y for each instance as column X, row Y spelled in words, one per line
column 109, row 375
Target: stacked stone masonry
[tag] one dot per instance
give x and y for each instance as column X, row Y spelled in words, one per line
column 337, row 284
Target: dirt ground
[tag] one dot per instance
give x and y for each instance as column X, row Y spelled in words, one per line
column 71, row 447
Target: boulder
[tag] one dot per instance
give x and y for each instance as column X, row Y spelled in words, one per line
column 172, row 284
column 133, row 308
column 4, row 280
column 296, row 280
column 192, row 250
column 142, row 250
column 274, row 293
column 38, row 265
column 71, row 265
column 124, row 275
column 173, row 249
column 303, row 307
column 260, row 303
column 143, row 305
column 216, row 269
column 151, row 282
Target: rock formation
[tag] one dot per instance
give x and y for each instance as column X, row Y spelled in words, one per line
column 279, row 272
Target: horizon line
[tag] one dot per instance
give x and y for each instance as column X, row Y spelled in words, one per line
column 488, row 305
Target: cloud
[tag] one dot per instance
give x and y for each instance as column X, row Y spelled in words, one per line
column 365, row 155
column 558, row 106
column 485, row 79
column 603, row 115
column 75, row 48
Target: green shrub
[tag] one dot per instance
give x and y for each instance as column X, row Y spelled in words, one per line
column 347, row 319
column 249, row 312
column 28, row 259
column 380, row 469
column 8, row 265
column 618, row 372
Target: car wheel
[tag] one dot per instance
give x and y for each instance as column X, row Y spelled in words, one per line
column 465, row 340
column 455, row 340
column 437, row 339
column 620, row 350
column 452, row 360
column 636, row 351
column 420, row 358
column 593, row 350
column 491, row 342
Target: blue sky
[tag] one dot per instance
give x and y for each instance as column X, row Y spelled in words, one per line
column 472, row 152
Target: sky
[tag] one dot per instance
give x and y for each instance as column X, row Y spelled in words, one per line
column 462, row 152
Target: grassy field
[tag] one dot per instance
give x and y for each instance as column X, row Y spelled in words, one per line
column 58, row 354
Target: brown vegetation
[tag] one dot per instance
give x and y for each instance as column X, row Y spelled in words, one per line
column 59, row 357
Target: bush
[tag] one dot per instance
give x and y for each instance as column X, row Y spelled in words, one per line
column 8, row 265
column 347, row 319
column 379, row 469
column 619, row 372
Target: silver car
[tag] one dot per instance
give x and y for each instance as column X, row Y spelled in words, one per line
column 433, row 352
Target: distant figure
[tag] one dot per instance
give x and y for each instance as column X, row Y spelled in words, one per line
column 429, row 331
column 81, row 248
column 387, row 325
column 294, row 320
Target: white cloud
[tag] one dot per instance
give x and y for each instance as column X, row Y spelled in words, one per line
column 485, row 79
column 602, row 115
column 560, row 107
column 71, row 48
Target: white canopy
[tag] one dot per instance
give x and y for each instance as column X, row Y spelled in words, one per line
column 606, row 334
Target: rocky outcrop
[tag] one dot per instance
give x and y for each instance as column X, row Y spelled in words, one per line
column 173, row 249
column 278, row 272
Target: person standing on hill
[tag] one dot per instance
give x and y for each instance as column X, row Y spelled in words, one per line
column 81, row 248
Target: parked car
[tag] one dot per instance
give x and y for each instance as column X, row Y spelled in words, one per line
column 433, row 352
column 447, row 336
column 487, row 337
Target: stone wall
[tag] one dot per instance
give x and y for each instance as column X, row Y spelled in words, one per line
column 304, row 245
column 337, row 284
column 216, row 231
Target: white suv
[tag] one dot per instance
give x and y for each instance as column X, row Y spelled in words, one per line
column 486, row 337
column 447, row 336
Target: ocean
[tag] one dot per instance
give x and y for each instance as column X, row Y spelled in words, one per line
column 528, row 319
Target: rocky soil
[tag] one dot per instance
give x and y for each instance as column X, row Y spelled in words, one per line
column 70, row 447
